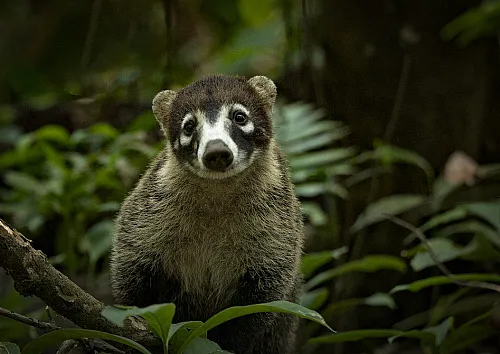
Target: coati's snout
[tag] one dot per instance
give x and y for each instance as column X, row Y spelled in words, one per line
column 217, row 156
column 218, row 126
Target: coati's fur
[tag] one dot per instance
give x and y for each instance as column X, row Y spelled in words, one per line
column 207, row 241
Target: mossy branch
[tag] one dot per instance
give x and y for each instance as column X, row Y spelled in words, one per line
column 34, row 275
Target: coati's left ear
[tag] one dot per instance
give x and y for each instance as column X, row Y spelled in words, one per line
column 161, row 106
column 266, row 89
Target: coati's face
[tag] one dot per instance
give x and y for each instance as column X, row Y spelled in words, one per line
column 219, row 125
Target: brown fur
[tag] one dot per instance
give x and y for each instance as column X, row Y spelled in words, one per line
column 210, row 244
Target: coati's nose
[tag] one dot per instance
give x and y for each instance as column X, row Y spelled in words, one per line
column 217, row 156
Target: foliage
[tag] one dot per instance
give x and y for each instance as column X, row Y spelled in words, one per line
column 465, row 231
column 481, row 21
column 71, row 185
column 185, row 337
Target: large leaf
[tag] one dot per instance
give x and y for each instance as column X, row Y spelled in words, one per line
column 370, row 264
column 238, row 311
column 53, row 338
column 442, row 280
column 9, row 348
column 179, row 332
column 392, row 205
column 203, row 346
column 159, row 317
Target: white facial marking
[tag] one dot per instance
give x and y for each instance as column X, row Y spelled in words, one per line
column 185, row 140
column 218, row 130
column 248, row 127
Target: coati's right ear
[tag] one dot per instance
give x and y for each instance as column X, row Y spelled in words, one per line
column 161, row 106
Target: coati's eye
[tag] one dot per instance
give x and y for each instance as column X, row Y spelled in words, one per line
column 189, row 127
column 239, row 117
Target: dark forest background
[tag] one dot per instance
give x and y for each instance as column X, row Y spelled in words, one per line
column 385, row 107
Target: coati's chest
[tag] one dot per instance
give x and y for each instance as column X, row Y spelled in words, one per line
column 209, row 248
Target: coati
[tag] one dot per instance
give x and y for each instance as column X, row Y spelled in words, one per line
column 214, row 222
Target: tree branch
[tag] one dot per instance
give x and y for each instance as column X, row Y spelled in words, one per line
column 34, row 275
column 28, row 320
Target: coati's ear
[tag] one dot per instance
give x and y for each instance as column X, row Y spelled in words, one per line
column 266, row 89
column 161, row 106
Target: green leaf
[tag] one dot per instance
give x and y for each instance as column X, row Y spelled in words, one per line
column 380, row 299
column 159, row 317
column 445, row 250
column 314, row 299
column 472, row 227
column 179, row 332
column 465, row 337
column 369, row 264
column 9, row 348
column 458, row 213
column 441, row 330
column 392, row 205
column 321, row 158
column 296, row 147
column 54, row 133
column 97, row 240
column 392, row 154
column 293, row 134
column 38, row 345
column 442, row 280
column 203, row 346
column 354, row 336
column 238, row 311
column 316, row 215
column 255, row 15
column 104, row 129
column 311, row 262
column 488, row 211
